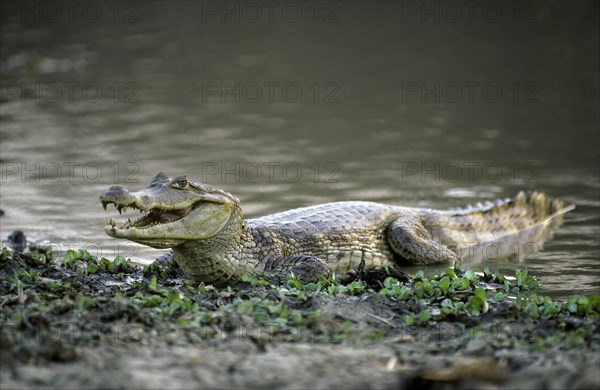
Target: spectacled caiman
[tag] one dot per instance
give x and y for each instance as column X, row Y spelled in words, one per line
column 212, row 242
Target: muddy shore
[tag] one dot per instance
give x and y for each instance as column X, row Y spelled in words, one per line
column 83, row 322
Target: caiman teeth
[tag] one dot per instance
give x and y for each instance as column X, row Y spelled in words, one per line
column 150, row 216
column 120, row 207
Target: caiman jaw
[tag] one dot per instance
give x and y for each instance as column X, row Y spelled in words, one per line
column 152, row 217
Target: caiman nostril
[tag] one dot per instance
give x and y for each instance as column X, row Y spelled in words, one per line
column 115, row 191
column 116, row 194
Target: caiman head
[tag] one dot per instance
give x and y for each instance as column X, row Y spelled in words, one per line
column 174, row 211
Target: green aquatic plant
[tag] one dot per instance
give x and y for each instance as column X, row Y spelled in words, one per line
column 82, row 260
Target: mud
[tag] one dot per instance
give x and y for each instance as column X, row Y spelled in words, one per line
column 81, row 322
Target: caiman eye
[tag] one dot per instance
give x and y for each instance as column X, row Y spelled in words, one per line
column 180, row 184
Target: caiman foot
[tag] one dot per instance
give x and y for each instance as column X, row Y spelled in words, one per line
column 374, row 277
column 307, row 269
column 164, row 266
column 410, row 239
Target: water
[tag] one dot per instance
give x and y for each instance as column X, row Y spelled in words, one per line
column 385, row 101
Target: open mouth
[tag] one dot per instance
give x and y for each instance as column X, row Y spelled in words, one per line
column 152, row 217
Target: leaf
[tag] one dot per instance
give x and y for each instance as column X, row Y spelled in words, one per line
column 480, row 293
column 261, row 317
column 153, row 301
column 104, row 263
column 457, row 264
column 389, row 282
column 313, row 287
column 424, row 316
column 444, row 284
column 487, row 273
column 469, row 275
column 355, row 287
column 451, row 273
column 152, row 285
column 464, row 283
column 292, row 281
column 386, row 267
column 92, row 268
column 418, row 289
column 173, row 298
column 428, row 288
column 69, row 258
column 447, row 303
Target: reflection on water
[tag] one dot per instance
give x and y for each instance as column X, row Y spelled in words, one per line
column 286, row 114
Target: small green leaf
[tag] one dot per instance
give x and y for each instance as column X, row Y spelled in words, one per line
column 389, row 282
column 92, row 268
column 451, row 273
column 447, row 303
column 444, row 284
column 152, row 285
column 457, row 264
column 261, row 317
column 424, row 316
column 469, row 275
column 153, row 301
column 480, row 293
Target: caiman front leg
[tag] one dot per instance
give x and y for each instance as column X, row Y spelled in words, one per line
column 164, row 263
column 307, row 269
column 410, row 239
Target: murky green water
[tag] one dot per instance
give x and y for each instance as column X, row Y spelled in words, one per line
column 434, row 104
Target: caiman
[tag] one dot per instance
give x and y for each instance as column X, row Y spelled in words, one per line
column 212, row 242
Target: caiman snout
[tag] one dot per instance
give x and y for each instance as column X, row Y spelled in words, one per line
column 117, row 195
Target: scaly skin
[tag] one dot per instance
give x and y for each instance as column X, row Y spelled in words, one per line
column 212, row 242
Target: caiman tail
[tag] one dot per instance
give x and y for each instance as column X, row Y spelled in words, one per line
column 502, row 228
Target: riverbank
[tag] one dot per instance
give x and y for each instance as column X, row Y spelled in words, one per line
column 80, row 321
